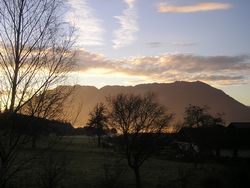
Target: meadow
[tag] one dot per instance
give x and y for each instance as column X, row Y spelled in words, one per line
column 77, row 162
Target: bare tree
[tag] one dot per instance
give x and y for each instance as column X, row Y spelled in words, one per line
column 140, row 121
column 98, row 121
column 35, row 55
column 35, row 49
column 48, row 105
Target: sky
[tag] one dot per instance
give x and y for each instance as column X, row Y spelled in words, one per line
column 128, row 42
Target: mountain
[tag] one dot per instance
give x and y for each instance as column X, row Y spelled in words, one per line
column 175, row 96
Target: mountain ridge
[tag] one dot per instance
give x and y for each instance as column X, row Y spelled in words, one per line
column 175, row 96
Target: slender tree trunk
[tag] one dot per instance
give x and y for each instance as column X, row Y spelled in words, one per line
column 17, row 59
column 137, row 177
column 13, row 91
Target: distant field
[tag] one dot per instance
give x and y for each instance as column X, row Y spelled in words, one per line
column 90, row 166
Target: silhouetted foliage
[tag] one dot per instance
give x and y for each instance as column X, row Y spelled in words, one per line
column 98, row 121
column 197, row 116
column 140, row 121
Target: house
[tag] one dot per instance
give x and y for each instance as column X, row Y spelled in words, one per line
column 240, row 125
column 206, row 140
column 232, row 141
column 239, row 138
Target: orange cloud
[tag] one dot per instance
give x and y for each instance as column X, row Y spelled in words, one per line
column 199, row 7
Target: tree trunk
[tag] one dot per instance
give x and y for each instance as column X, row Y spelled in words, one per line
column 13, row 91
column 17, row 61
column 137, row 177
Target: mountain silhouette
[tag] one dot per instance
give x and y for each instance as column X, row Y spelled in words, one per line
column 175, row 96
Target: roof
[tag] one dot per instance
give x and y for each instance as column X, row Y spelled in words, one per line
column 240, row 125
column 216, row 137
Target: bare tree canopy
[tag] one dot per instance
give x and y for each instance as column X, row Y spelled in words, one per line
column 133, row 114
column 141, row 121
column 35, row 50
column 36, row 53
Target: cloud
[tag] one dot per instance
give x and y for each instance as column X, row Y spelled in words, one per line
column 130, row 2
column 89, row 28
column 222, row 79
column 156, row 44
column 86, row 60
column 220, row 70
column 183, row 44
column 125, row 35
column 199, row 7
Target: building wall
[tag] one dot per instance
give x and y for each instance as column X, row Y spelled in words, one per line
column 242, row 153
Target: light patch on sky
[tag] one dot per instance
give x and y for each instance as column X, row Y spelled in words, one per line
column 125, row 35
column 89, row 27
column 199, row 7
column 100, row 77
column 239, row 92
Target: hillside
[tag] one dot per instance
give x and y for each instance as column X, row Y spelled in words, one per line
column 175, row 96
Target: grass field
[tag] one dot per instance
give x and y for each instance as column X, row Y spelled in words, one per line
column 85, row 165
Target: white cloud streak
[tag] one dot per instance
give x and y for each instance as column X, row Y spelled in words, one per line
column 199, row 7
column 89, row 28
column 125, row 35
